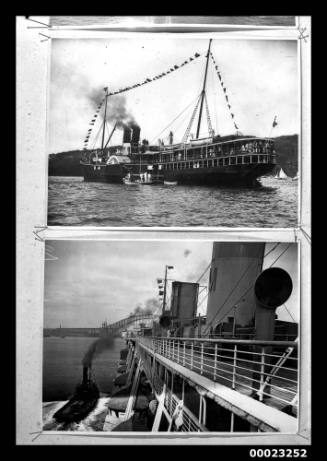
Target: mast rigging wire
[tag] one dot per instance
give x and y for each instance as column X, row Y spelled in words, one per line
column 96, row 138
column 198, row 280
column 189, row 126
column 155, row 137
column 284, row 305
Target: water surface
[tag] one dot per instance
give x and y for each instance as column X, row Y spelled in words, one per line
column 73, row 202
column 62, row 366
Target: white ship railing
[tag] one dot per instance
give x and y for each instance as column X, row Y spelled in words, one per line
column 265, row 370
column 191, row 422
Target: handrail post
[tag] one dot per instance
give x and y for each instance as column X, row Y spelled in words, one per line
column 177, row 351
column 173, row 350
column 184, row 347
column 204, row 411
column 202, row 347
column 232, row 422
column 215, row 362
column 262, row 371
column 192, row 353
column 234, row 366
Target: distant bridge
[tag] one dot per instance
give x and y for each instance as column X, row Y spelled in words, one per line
column 132, row 319
column 112, row 328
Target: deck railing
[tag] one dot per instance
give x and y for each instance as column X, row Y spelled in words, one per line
column 216, row 161
column 191, row 422
column 216, row 150
column 265, row 370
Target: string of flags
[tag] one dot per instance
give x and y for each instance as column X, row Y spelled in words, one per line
column 157, row 77
column 160, row 288
column 92, row 123
column 128, row 88
column 224, row 90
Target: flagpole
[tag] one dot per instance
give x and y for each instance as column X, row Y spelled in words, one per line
column 164, row 295
column 104, row 119
column 165, row 288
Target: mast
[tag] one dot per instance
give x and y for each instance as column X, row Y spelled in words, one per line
column 165, row 288
column 110, row 136
column 203, row 90
column 104, row 119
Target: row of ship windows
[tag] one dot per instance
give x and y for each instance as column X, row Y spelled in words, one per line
column 205, row 152
column 217, row 162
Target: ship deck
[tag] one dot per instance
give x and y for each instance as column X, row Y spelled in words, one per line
column 259, row 390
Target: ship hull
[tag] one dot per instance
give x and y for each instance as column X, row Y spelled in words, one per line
column 80, row 405
column 232, row 175
column 105, row 173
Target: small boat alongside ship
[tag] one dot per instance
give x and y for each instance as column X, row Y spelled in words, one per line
column 142, row 178
column 213, row 160
column 81, row 403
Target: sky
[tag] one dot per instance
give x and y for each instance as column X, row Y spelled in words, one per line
column 260, row 77
column 87, row 282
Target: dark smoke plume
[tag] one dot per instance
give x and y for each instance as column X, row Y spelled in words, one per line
column 150, row 306
column 95, row 349
column 116, row 108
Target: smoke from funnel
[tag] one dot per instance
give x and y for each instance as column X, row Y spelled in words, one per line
column 95, row 349
column 116, row 108
column 150, row 306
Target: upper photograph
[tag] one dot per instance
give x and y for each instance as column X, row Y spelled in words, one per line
column 173, row 132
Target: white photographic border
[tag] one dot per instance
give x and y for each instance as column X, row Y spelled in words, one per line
column 33, row 51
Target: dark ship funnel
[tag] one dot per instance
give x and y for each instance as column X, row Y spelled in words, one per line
column 127, row 136
column 235, row 267
column 136, row 134
column 272, row 288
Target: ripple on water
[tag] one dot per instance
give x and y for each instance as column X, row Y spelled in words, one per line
column 72, row 201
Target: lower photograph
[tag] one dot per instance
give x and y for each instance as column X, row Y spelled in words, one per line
column 171, row 336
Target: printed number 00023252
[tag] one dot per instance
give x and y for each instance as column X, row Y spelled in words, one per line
column 278, row 453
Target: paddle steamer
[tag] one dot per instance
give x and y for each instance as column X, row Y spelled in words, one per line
column 214, row 160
